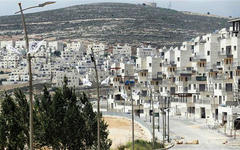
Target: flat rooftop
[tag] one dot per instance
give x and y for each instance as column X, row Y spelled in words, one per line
column 234, row 20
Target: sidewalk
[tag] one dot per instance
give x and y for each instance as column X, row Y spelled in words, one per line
column 205, row 124
column 158, row 134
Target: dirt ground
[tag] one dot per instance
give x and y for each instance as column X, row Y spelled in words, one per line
column 120, row 131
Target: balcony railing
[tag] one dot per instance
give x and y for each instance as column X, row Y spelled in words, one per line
column 203, row 101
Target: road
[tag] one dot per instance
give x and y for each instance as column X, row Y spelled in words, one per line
column 208, row 139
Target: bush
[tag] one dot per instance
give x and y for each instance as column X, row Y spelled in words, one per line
column 140, row 145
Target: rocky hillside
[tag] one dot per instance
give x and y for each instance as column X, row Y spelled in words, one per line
column 114, row 22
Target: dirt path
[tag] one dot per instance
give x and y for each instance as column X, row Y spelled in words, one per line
column 121, row 131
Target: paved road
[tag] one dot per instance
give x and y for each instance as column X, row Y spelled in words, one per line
column 208, row 139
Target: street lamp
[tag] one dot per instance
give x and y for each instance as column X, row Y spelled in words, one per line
column 98, row 101
column 39, row 5
column 30, row 68
column 129, row 84
column 153, row 113
column 93, row 59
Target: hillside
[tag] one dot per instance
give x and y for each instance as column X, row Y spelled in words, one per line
column 114, row 22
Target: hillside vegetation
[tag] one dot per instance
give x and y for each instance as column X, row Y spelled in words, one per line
column 115, row 22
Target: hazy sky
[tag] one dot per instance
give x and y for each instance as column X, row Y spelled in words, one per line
column 218, row 7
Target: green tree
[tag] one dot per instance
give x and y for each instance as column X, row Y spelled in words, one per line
column 68, row 122
column 14, row 122
column 3, row 132
column 23, row 112
column 91, row 127
column 44, row 124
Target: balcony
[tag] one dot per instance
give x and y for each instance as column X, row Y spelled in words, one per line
column 203, row 101
column 155, row 77
column 201, row 78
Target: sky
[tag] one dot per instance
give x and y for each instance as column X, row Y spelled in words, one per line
column 217, row 7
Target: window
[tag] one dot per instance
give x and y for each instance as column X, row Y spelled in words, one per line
column 194, row 98
column 220, row 99
column 173, row 79
column 215, row 86
column 208, row 53
column 220, row 86
column 190, row 59
column 235, row 48
column 178, row 59
column 194, row 86
column 150, row 64
column 122, row 70
column 160, row 64
column 228, row 87
column 201, row 87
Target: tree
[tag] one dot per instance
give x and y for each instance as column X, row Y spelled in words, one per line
column 61, row 121
column 14, row 122
column 23, row 112
column 68, row 122
column 44, row 124
column 3, row 132
column 91, row 127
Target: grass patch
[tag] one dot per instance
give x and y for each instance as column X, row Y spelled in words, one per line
column 140, row 145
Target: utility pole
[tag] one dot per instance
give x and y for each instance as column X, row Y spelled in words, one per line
column 163, row 120
column 150, row 109
column 107, row 97
column 153, row 120
column 165, row 117
column 132, row 120
column 30, row 79
column 168, row 119
column 124, row 105
column 128, row 85
column 139, row 108
column 30, row 69
column 158, row 116
column 98, row 101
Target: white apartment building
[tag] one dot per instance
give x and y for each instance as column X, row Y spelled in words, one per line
column 146, row 51
column 6, row 43
column 183, row 58
column 56, row 45
column 98, row 48
column 73, row 79
column 122, row 50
